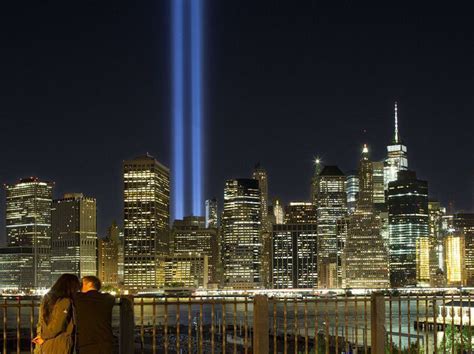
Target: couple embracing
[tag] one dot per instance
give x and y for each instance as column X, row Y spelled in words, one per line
column 75, row 318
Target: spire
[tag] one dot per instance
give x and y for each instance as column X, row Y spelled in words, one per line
column 317, row 165
column 365, row 152
column 396, row 137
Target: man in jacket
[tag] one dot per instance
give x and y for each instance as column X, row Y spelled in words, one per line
column 94, row 318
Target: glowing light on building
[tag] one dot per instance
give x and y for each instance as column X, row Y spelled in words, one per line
column 196, row 106
column 396, row 156
column 454, row 245
column 178, row 107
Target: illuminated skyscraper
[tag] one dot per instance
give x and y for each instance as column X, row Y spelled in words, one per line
column 190, row 235
column 146, row 220
column 378, row 178
column 301, row 213
column 365, row 258
column 278, row 212
column 408, row 229
column 352, row 190
column 436, row 243
column 397, row 156
column 318, row 166
column 28, row 229
column 463, row 223
column 454, row 258
column 295, row 256
column 211, row 213
column 108, row 257
column 241, row 226
column 332, row 207
column 74, row 236
column 260, row 175
column 185, row 270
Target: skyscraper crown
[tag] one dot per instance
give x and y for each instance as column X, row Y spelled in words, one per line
column 396, row 136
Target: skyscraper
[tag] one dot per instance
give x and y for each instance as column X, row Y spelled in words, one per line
column 74, row 236
column 295, row 256
column 146, row 220
column 352, row 191
column 396, row 156
column 318, row 166
column 365, row 258
column 28, row 229
column 332, row 207
column 278, row 212
column 241, row 226
column 436, row 243
column 260, row 175
column 211, row 213
column 408, row 230
column 378, row 178
column 463, row 223
column 185, row 270
column 191, row 236
column 301, row 213
column 454, row 258
column 108, row 256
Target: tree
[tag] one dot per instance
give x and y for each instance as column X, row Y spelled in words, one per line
column 453, row 343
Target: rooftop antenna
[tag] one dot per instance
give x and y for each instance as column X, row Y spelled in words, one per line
column 396, row 138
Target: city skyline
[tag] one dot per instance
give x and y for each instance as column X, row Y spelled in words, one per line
column 306, row 102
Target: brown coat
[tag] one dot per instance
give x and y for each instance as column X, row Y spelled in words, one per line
column 58, row 333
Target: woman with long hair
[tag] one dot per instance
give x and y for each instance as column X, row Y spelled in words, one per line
column 55, row 331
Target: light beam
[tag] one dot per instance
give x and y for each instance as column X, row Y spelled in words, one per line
column 196, row 106
column 177, row 41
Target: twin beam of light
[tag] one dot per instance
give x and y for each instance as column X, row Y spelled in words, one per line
column 178, row 78
column 196, row 108
column 177, row 41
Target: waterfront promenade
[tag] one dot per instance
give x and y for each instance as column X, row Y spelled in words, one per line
column 267, row 324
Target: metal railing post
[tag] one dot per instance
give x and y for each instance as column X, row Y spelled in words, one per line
column 127, row 326
column 377, row 323
column 260, row 325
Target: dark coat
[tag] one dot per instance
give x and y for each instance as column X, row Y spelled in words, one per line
column 94, row 322
column 58, row 333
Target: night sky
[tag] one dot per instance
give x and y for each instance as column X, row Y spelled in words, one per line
column 86, row 84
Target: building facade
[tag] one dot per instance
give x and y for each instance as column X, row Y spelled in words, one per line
column 108, row 257
column 191, row 235
column 378, row 181
column 408, row 229
column 352, row 191
column 16, row 269
column 74, row 236
column 28, row 229
column 301, row 213
column 436, row 242
column 146, row 220
column 463, row 223
column 454, row 245
column 332, row 207
column 241, row 227
column 295, row 256
column 212, row 219
column 184, row 270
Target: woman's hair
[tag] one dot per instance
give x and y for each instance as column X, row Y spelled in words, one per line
column 65, row 287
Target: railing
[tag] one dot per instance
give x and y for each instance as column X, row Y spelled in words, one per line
column 419, row 323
